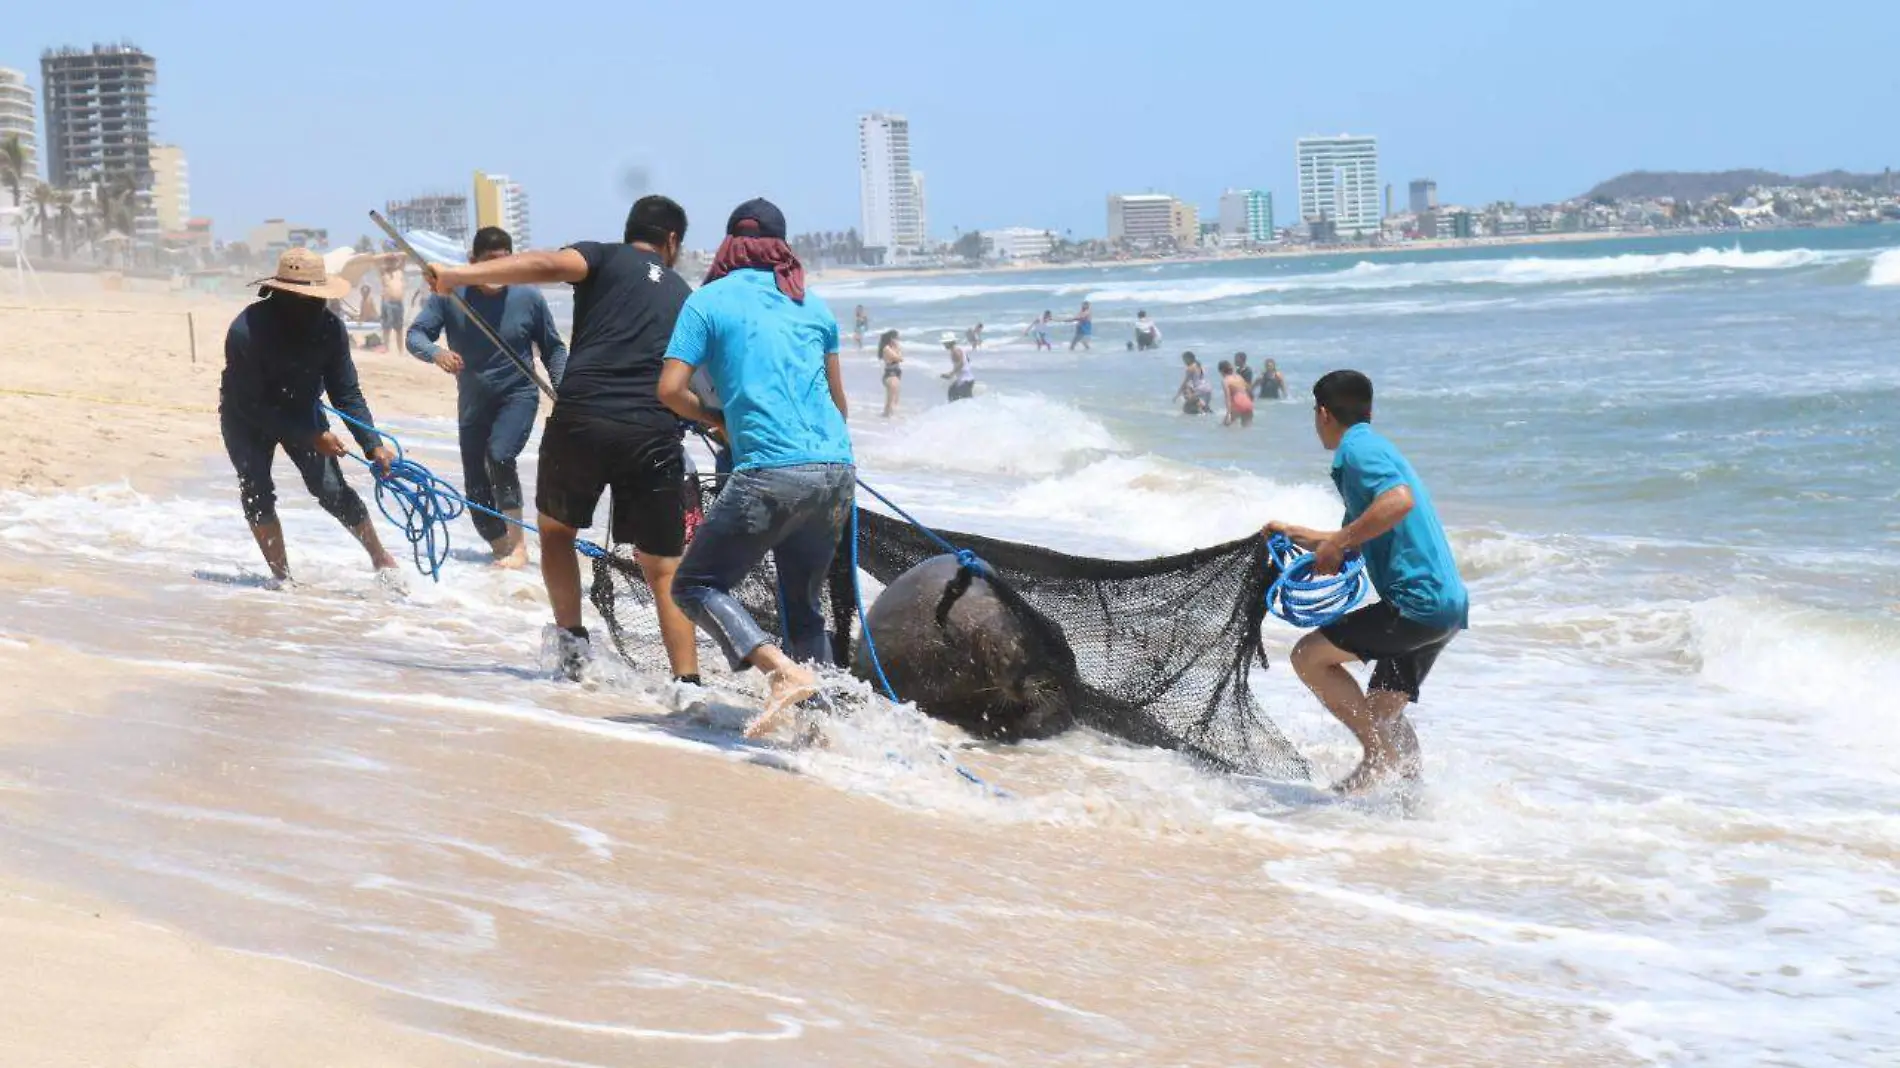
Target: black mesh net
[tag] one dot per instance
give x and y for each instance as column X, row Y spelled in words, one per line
column 1163, row 647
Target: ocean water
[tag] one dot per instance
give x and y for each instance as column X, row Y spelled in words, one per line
column 1663, row 766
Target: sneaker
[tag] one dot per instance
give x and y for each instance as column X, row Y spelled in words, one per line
column 569, row 653
column 685, row 698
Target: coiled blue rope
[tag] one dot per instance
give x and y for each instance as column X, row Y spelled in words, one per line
column 422, row 505
column 1304, row 600
column 965, row 558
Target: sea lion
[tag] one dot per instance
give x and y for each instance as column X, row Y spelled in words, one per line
column 971, row 652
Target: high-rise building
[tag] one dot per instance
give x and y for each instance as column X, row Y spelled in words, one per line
column 500, row 201
column 1152, row 219
column 1339, row 182
column 923, row 216
column 98, row 114
column 1246, row 217
column 441, row 213
column 887, row 189
column 17, row 120
column 171, row 188
column 1424, row 196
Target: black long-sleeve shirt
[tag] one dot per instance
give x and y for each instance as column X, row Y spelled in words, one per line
column 277, row 366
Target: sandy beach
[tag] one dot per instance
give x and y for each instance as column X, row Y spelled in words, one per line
column 243, row 828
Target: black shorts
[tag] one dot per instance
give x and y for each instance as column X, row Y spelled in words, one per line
column 1401, row 650
column 891, row 370
column 640, row 460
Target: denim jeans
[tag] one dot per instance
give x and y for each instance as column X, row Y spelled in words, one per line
column 795, row 513
column 494, row 428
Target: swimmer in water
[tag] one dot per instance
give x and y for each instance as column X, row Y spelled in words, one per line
column 860, row 322
column 1244, row 371
column 975, row 337
column 890, row 353
column 1147, row 332
column 1422, row 602
column 1084, row 321
column 1194, row 393
column 1272, row 382
column 1239, row 396
column 1039, row 330
column 961, row 375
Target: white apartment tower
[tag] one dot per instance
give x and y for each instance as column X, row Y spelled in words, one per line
column 891, row 217
column 1339, row 180
column 17, row 120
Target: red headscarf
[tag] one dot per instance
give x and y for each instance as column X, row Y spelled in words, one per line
column 738, row 252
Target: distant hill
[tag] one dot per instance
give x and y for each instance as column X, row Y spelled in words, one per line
column 1701, row 185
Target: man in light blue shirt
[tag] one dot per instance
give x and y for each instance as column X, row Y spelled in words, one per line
column 770, row 350
column 1391, row 522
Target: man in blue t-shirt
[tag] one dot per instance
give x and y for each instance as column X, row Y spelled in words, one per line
column 1390, row 521
column 771, row 352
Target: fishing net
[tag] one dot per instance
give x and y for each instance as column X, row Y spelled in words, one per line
column 1163, row 647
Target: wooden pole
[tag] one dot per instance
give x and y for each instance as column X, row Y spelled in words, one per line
column 191, row 324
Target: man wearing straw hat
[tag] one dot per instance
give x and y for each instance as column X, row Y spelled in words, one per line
column 281, row 355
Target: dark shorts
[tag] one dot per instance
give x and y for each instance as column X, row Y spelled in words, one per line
column 963, row 390
column 640, row 460
column 392, row 315
column 893, row 371
column 1402, row 651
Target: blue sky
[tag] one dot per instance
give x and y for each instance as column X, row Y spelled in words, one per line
column 1023, row 113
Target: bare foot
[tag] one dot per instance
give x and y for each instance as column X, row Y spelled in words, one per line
column 1370, row 773
column 788, row 687
column 515, row 558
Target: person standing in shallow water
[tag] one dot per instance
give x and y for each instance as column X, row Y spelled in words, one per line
column 608, row 429
column 1084, row 321
column 1422, row 602
column 281, row 356
column 962, row 375
column 1272, row 383
column 1239, row 396
column 771, row 351
column 495, row 400
column 860, row 322
column 890, row 353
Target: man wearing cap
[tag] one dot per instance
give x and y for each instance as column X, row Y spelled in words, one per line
column 771, row 351
column 608, row 429
column 281, row 355
column 495, row 399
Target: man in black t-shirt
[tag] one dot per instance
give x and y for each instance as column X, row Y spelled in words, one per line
column 608, row 429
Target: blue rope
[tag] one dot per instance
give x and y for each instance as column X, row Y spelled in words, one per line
column 965, row 557
column 422, row 505
column 1305, row 600
column 864, row 621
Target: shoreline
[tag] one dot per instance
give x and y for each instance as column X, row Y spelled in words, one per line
column 857, row 274
column 420, row 822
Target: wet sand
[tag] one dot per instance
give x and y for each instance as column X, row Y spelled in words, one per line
column 384, row 808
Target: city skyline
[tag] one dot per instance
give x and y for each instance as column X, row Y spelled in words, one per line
column 996, row 156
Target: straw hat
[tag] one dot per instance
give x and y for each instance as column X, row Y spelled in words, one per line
column 949, row 338
column 302, row 272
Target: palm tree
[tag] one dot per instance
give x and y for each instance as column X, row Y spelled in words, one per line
column 69, row 215
column 13, row 170
column 44, row 206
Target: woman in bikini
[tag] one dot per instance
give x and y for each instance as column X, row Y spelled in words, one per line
column 891, row 353
column 1239, row 396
